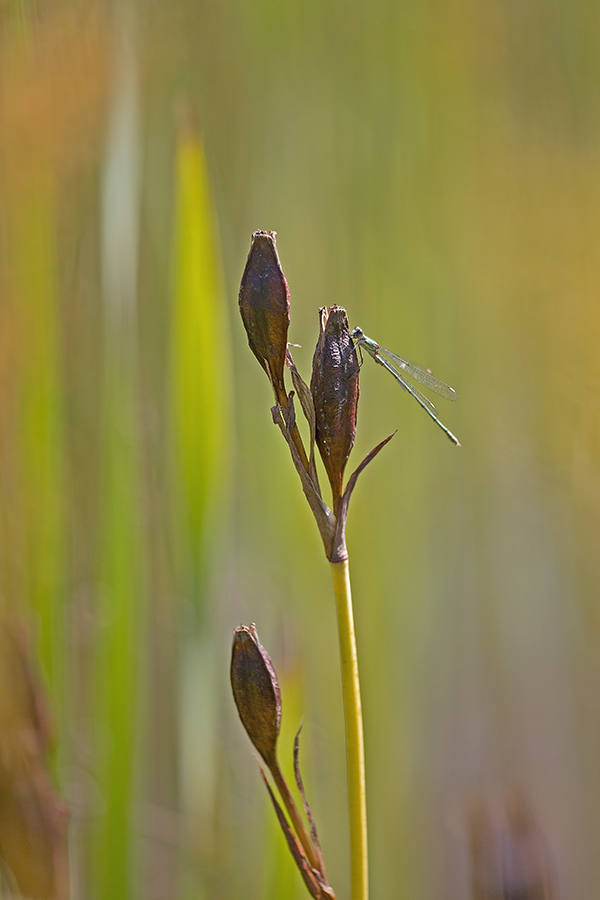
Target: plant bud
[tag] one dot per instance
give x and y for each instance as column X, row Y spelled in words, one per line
column 334, row 387
column 256, row 691
column 265, row 308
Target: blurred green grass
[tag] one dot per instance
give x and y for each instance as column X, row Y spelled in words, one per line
column 434, row 169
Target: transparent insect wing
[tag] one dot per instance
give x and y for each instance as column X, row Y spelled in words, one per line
column 418, row 373
column 411, row 389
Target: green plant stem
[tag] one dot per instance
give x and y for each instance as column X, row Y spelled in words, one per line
column 355, row 752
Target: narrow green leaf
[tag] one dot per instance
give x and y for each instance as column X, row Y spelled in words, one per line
column 201, row 356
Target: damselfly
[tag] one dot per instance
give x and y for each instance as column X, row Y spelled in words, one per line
column 400, row 368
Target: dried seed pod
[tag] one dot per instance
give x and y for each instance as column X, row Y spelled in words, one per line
column 334, row 387
column 256, row 691
column 257, row 697
column 264, row 302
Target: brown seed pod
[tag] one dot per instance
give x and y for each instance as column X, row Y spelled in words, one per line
column 256, row 691
column 334, row 387
column 264, row 302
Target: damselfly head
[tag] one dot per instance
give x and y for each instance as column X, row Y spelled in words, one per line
column 357, row 334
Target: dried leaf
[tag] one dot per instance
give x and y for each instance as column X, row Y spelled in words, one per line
column 315, row 881
column 307, row 809
column 339, row 551
column 307, row 872
column 326, row 521
column 308, row 408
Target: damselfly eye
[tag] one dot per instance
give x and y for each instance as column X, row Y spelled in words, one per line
column 357, row 333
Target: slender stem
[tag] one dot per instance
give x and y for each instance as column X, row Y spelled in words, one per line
column 294, row 814
column 299, row 446
column 355, row 752
column 282, row 399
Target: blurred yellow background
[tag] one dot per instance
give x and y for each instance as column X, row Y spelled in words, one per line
column 434, row 167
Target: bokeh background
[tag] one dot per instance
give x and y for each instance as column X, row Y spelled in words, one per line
column 433, row 166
